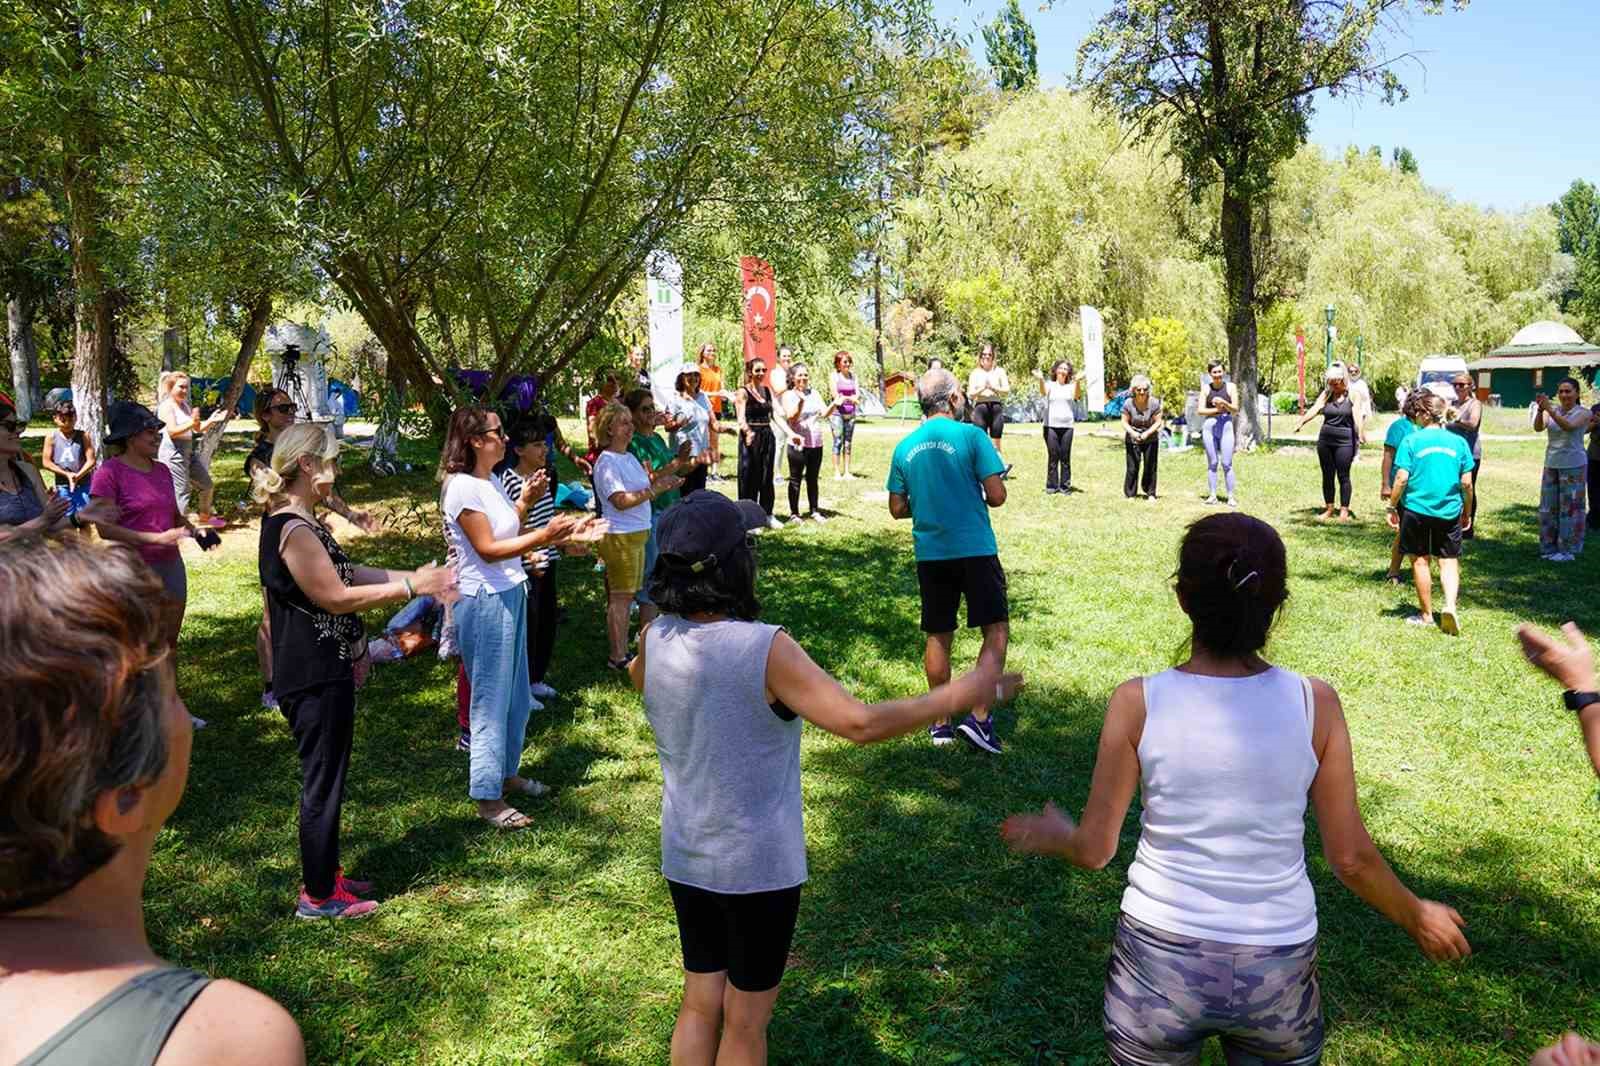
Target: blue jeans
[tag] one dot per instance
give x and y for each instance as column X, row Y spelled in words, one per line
column 642, row 597
column 492, row 628
column 77, row 499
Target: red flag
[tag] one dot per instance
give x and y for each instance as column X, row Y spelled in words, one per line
column 760, row 311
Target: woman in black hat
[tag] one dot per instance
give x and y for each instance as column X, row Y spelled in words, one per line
column 724, row 694
column 147, row 505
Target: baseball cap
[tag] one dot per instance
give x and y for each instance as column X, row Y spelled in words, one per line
column 704, row 528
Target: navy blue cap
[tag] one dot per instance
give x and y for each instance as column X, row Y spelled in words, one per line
column 706, row 527
column 127, row 418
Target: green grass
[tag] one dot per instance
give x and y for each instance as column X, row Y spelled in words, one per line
column 921, row 939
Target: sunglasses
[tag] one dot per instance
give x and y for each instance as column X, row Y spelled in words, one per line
column 68, row 410
column 281, row 409
column 758, row 371
column 494, row 431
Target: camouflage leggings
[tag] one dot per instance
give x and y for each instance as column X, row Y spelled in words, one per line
column 1166, row 994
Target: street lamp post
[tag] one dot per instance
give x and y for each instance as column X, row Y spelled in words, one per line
column 1328, row 354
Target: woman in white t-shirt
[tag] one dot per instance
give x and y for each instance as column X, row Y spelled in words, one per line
column 484, row 526
column 1218, row 929
column 987, row 389
column 625, row 489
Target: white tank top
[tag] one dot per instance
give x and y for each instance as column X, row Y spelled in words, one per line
column 1225, row 764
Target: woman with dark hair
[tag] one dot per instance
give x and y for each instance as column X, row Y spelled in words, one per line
column 1465, row 419
column 1060, row 392
column 484, row 527
column 25, row 506
column 1336, row 442
column 1566, row 468
column 608, row 385
column 68, row 453
column 96, row 748
column 1218, row 929
column 846, row 401
column 696, row 426
column 725, row 694
column 314, row 595
column 757, row 447
column 1219, row 405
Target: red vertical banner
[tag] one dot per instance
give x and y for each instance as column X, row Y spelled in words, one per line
column 1300, row 363
column 760, row 310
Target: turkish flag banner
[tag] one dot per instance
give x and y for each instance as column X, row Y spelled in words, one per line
column 760, row 311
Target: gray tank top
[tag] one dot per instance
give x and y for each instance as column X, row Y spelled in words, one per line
column 66, row 452
column 128, row 1027
column 730, row 764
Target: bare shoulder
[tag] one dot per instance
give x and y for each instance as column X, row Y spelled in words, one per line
column 1125, row 710
column 1325, row 696
column 230, row 1024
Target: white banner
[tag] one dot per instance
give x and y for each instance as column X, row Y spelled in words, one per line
column 1094, row 357
column 663, row 289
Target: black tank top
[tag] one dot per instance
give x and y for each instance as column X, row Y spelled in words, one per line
column 310, row 646
column 757, row 410
column 1212, row 394
column 1338, row 421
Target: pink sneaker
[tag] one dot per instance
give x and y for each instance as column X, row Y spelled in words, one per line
column 339, row 905
column 351, row 885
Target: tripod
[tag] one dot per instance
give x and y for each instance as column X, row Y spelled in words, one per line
column 293, row 384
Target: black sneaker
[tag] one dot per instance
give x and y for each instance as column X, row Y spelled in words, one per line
column 941, row 734
column 979, row 734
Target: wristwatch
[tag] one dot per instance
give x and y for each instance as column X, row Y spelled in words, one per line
column 1577, row 701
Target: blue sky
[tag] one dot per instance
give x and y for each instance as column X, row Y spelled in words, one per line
column 1504, row 110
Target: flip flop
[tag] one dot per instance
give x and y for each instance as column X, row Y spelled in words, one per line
column 508, row 819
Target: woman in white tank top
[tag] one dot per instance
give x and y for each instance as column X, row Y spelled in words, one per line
column 1218, row 929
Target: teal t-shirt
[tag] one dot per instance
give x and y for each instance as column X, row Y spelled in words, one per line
column 653, row 453
column 1399, row 430
column 940, row 468
column 1434, row 460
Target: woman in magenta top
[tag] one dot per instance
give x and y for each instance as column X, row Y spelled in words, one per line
column 846, row 394
column 147, row 505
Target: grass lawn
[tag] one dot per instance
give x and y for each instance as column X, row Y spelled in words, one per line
column 921, row 939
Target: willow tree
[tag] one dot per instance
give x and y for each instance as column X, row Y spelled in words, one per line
column 1232, row 85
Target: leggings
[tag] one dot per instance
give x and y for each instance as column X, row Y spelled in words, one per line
column 323, row 721
column 806, row 463
column 1336, row 457
column 1148, row 451
column 541, row 622
column 1217, row 436
column 844, row 431
column 756, row 460
column 1058, row 458
column 1477, row 464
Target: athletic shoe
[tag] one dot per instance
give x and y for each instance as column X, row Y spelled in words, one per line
column 1563, row 557
column 941, row 734
column 816, row 516
column 339, row 905
column 774, row 522
column 268, row 700
column 1210, row 501
column 534, row 704
column 351, row 885
column 543, row 691
column 1448, row 623
column 464, row 741
column 1420, row 620
column 979, row 734
column 196, row 722
column 1233, row 502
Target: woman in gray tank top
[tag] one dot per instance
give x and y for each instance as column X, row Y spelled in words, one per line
column 79, row 817
column 725, row 695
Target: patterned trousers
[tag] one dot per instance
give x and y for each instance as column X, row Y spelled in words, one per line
column 1561, row 510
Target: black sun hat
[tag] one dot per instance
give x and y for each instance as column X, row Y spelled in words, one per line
column 128, row 418
column 705, row 528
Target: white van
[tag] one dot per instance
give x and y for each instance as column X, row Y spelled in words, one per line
column 1437, row 372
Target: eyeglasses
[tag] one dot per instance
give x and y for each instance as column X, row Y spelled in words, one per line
column 1140, row 392
column 493, row 431
column 281, row 409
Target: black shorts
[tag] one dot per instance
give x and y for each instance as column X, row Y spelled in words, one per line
column 943, row 583
column 747, row 934
column 1421, row 534
column 990, row 416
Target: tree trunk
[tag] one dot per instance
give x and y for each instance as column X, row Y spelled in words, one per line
column 1239, row 271
column 249, row 343
column 24, row 357
column 95, row 314
column 174, row 349
column 386, row 441
column 877, row 320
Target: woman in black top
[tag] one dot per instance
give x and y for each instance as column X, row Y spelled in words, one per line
column 757, row 447
column 1337, row 443
column 319, row 648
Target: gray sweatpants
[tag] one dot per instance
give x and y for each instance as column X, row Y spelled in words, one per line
column 1166, row 994
column 187, row 468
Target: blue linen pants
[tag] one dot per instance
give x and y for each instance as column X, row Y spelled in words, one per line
column 492, row 628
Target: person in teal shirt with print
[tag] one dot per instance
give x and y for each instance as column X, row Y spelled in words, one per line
column 1431, row 505
column 1399, row 430
column 945, row 476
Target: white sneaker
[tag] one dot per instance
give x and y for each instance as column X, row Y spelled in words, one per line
column 534, row 704
column 197, row 723
column 269, row 701
column 775, row 522
column 1210, row 501
column 1562, row 557
column 816, row 516
column 543, row 691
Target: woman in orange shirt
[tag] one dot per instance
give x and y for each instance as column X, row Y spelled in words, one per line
column 711, row 385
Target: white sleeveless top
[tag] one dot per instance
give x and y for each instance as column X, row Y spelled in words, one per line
column 1225, row 764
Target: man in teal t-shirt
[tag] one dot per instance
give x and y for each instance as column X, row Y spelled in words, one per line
column 1399, row 430
column 1431, row 505
column 944, row 476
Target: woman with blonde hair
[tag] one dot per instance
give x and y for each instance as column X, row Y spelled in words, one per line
column 626, row 491
column 1337, row 442
column 319, row 649
column 182, row 426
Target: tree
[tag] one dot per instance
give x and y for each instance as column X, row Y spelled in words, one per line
column 1232, row 86
column 1010, row 49
column 1404, row 161
column 1577, row 216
